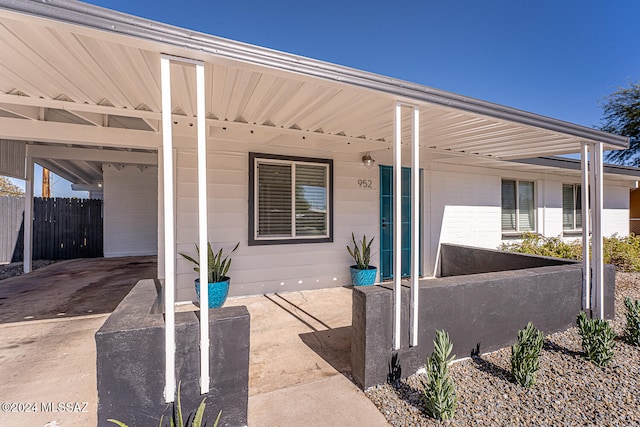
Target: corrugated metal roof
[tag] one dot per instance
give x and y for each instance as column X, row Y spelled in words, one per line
column 91, row 71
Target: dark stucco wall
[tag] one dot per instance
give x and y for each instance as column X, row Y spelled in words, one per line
column 130, row 362
column 459, row 260
column 481, row 313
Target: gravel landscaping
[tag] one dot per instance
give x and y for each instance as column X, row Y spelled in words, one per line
column 16, row 269
column 570, row 391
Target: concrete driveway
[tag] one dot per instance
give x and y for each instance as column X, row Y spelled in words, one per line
column 299, row 363
column 70, row 288
column 48, row 319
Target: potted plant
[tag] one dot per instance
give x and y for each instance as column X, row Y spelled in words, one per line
column 362, row 274
column 217, row 269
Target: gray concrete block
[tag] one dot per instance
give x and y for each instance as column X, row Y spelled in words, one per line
column 482, row 312
column 130, row 362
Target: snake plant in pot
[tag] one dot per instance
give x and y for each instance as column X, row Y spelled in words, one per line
column 217, row 270
column 362, row 274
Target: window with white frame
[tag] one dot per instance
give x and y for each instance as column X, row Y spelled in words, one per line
column 571, row 207
column 518, row 206
column 290, row 199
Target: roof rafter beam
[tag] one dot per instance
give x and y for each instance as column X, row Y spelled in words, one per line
column 94, row 166
column 92, row 154
column 67, row 133
column 218, row 125
column 74, row 107
column 70, row 174
column 25, row 111
column 96, row 119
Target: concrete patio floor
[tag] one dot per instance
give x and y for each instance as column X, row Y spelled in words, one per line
column 299, row 361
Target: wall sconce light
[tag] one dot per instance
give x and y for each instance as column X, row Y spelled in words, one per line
column 367, row 161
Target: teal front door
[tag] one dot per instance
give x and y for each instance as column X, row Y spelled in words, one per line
column 386, row 222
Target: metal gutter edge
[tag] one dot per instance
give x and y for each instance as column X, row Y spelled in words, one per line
column 91, row 16
column 572, row 164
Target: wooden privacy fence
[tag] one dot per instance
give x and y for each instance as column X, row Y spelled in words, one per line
column 64, row 229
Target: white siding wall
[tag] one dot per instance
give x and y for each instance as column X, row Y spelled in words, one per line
column 550, row 206
column 130, row 210
column 462, row 204
column 615, row 215
column 270, row 268
column 463, row 208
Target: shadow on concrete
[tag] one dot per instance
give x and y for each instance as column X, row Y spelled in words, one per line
column 332, row 344
column 71, row 288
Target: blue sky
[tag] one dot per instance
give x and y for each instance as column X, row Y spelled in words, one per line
column 551, row 57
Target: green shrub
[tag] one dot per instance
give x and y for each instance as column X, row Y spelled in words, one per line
column 535, row 244
column 439, row 391
column 525, row 355
column 622, row 252
column 177, row 420
column 597, row 339
column 632, row 330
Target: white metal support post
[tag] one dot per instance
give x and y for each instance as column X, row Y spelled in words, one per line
column 28, row 216
column 586, row 264
column 169, row 230
column 415, row 225
column 397, row 225
column 202, row 227
column 597, row 245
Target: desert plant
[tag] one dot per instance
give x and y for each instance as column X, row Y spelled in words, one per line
column 217, row 267
column 525, row 355
column 361, row 251
column 597, row 339
column 178, row 420
column 622, row 252
column 439, row 391
column 632, row 329
column 535, row 244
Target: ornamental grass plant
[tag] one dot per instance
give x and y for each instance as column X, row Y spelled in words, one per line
column 525, row 355
column 439, row 391
column 632, row 328
column 598, row 339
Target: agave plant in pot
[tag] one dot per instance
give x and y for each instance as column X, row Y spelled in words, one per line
column 362, row 274
column 217, row 269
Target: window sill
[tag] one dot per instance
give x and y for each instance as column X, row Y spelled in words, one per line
column 288, row 241
column 514, row 235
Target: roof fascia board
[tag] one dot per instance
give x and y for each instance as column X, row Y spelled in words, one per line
column 95, row 17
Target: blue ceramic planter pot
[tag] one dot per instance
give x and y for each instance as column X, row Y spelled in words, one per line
column 217, row 292
column 365, row 277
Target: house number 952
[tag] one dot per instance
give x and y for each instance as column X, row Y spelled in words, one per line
column 364, row 183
